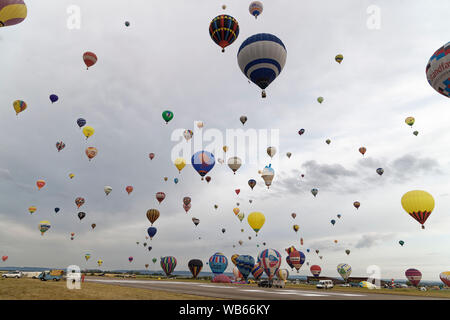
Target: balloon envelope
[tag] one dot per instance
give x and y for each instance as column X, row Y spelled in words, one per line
column 195, row 266
column 218, row 263
column 414, row 276
column 12, row 12
column 418, row 204
column 245, row 264
column 438, row 72
column 168, row 264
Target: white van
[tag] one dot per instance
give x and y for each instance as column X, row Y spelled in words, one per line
column 325, row 284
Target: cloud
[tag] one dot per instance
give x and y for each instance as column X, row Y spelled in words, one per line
column 5, row 174
column 372, row 239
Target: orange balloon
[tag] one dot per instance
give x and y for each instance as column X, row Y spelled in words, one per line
column 40, row 184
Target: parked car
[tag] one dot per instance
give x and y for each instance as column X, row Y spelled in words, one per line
column 13, row 274
column 345, row 285
column 325, row 284
column 271, row 283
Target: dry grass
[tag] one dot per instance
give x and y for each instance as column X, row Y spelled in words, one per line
column 33, row 289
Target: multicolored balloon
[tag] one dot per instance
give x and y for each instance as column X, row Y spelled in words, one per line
column 255, row 8
column 270, row 260
column 315, row 270
column 195, row 266
column 12, row 12
column 44, row 226
column 438, row 72
column 218, row 263
column 419, row 205
column 414, row 276
column 245, row 265
column 203, row 162
column 168, row 264
column 167, row 116
column 89, row 59
column 344, row 270
column 224, row 30
column 152, row 215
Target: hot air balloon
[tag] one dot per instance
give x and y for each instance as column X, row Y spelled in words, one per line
column 81, row 215
column 362, row 150
column 32, row 209
column 81, row 122
column 445, row 278
column 256, row 221
column 79, row 201
column 151, row 155
column 236, row 211
column 44, row 226
column 243, row 119
column 252, row 183
column 152, row 215
column 218, row 263
column 288, row 154
column 71, row 175
column 168, row 264
column 234, row 163
column 233, row 258
column 270, row 260
column 437, row 71
column 4, row 258
column 146, row 266
column 180, row 163
column 380, row 171
column 200, row 124
column 320, row 99
column 175, row 180
column 271, row 151
column 301, row 131
column 195, row 266
column 237, row 191
column 257, row 271
column 186, row 200
column 91, row 152
column 56, row 210
column 314, row 192
column 293, row 215
column 261, row 58
column 53, row 98
column 267, row 174
column 328, row 141
column 107, row 189
column 315, row 270
column 40, row 184
column 187, row 134
column 297, row 259
column 344, row 270
column 165, row 178
column 356, row 204
column 237, row 274
column 151, row 232
column 160, row 196
column 12, row 12
column 89, row 59
column 127, row 23
column 347, row 252
column 419, row 205
column 339, row 58
column 130, row 259
column 99, row 262
column 416, row 133
column 241, row 216
column 245, row 264
column 93, row 226
column 335, row 241
column 240, row 242
column 282, row 274
column 224, row 29
column 317, row 251
column 186, row 207
column 196, row 221
column 339, row 216
column 414, row 276
column 401, row 242
column 410, row 121
column 333, row 222
column 18, row 105
column 203, row 162
column 255, row 8
column 149, row 248
column 129, row 189
column 224, row 7
column 167, row 116
column 154, row 260
column 296, row 227
column 87, row 256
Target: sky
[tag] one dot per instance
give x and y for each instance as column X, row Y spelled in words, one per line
column 166, row 60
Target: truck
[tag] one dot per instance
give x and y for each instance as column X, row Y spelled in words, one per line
column 13, row 274
column 54, row 275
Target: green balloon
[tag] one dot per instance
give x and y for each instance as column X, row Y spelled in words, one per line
column 320, row 99
column 167, row 116
column 154, row 260
column 416, row 133
column 401, row 242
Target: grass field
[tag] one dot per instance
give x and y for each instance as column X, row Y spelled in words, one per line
column 33, row 289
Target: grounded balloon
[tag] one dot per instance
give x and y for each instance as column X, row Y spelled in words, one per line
column 414, row 276
column 88, row 131
column 160, row 196
column 261, row 58
column 255, row 8
column 196, row 221
column 256, row 221
column 243, row 119
column 257, row 271
column 19, row 105
column 151, row 232
column 271, row 151
column 339, row 58
column 81, row 122
column 320, row 99
column 315, row 270
column 438, row 71
column 53, row 98
column 270, row 260
column 314, row 192
column 168, row 264
column 89, row 59
column 151, row 156
column 167, row 116
column 445, row 278
column 362, row 150
column 233, row 258
column 12, row 12
column 79, row 201
column 224, row 30
column 234, row 163
column 203, row 162
column 419, row 205
column 81, row 215
column 180, row 163
column 380, row 171
column 344, row 270
column 195, row 266
column 152, row 215
column 44, row 226
column 218, row 263
column 107, row 189
column 356, row 204
column 245, row 264
column 129, row 189
column 267, row 174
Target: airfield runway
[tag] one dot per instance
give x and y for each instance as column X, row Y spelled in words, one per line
column 242, row 292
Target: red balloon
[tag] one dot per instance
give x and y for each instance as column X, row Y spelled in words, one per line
column 89, row 59
column 237, row 191
column 160, row 196
column 129, row 189
column 4, row 258
column 315, row 270
column 151, row 156
column 208, row 179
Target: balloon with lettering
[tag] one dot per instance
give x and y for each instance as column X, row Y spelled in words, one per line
column 438, row 70
column 218, row 263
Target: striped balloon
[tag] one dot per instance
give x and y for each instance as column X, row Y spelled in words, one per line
column 245, row 264
column 12, row 12
column 224, row 29
column 89, row 59
column 261, row 58
column 168, row 264
column 282, row 274
column 195, row 266
column 218, row 263
column 270, row 261
column 255, row 8
column 315, row 270
column 445, row 278
column 297, row 259
column 257, row 271
column 438, row 71
column 414, row 276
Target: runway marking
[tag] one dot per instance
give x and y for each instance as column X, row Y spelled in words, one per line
column 211, row 286
column 254, row 290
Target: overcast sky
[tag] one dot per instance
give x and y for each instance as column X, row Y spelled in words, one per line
column 167, row 60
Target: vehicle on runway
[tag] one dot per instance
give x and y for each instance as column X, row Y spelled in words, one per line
column 271, row 283
column 325, row 284
column 13, row 274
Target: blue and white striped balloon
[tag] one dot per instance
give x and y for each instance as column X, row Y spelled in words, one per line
column 261, row 58
column 255, row 8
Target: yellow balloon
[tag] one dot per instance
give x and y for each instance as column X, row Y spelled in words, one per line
column 419, row 205
column 19, row 106
column 32, row 209
column 88, row 131
column 225, row 148
column 410, row 121
column 256, row 220
column 180, row 163
column 236, row 211
column 71, row 176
